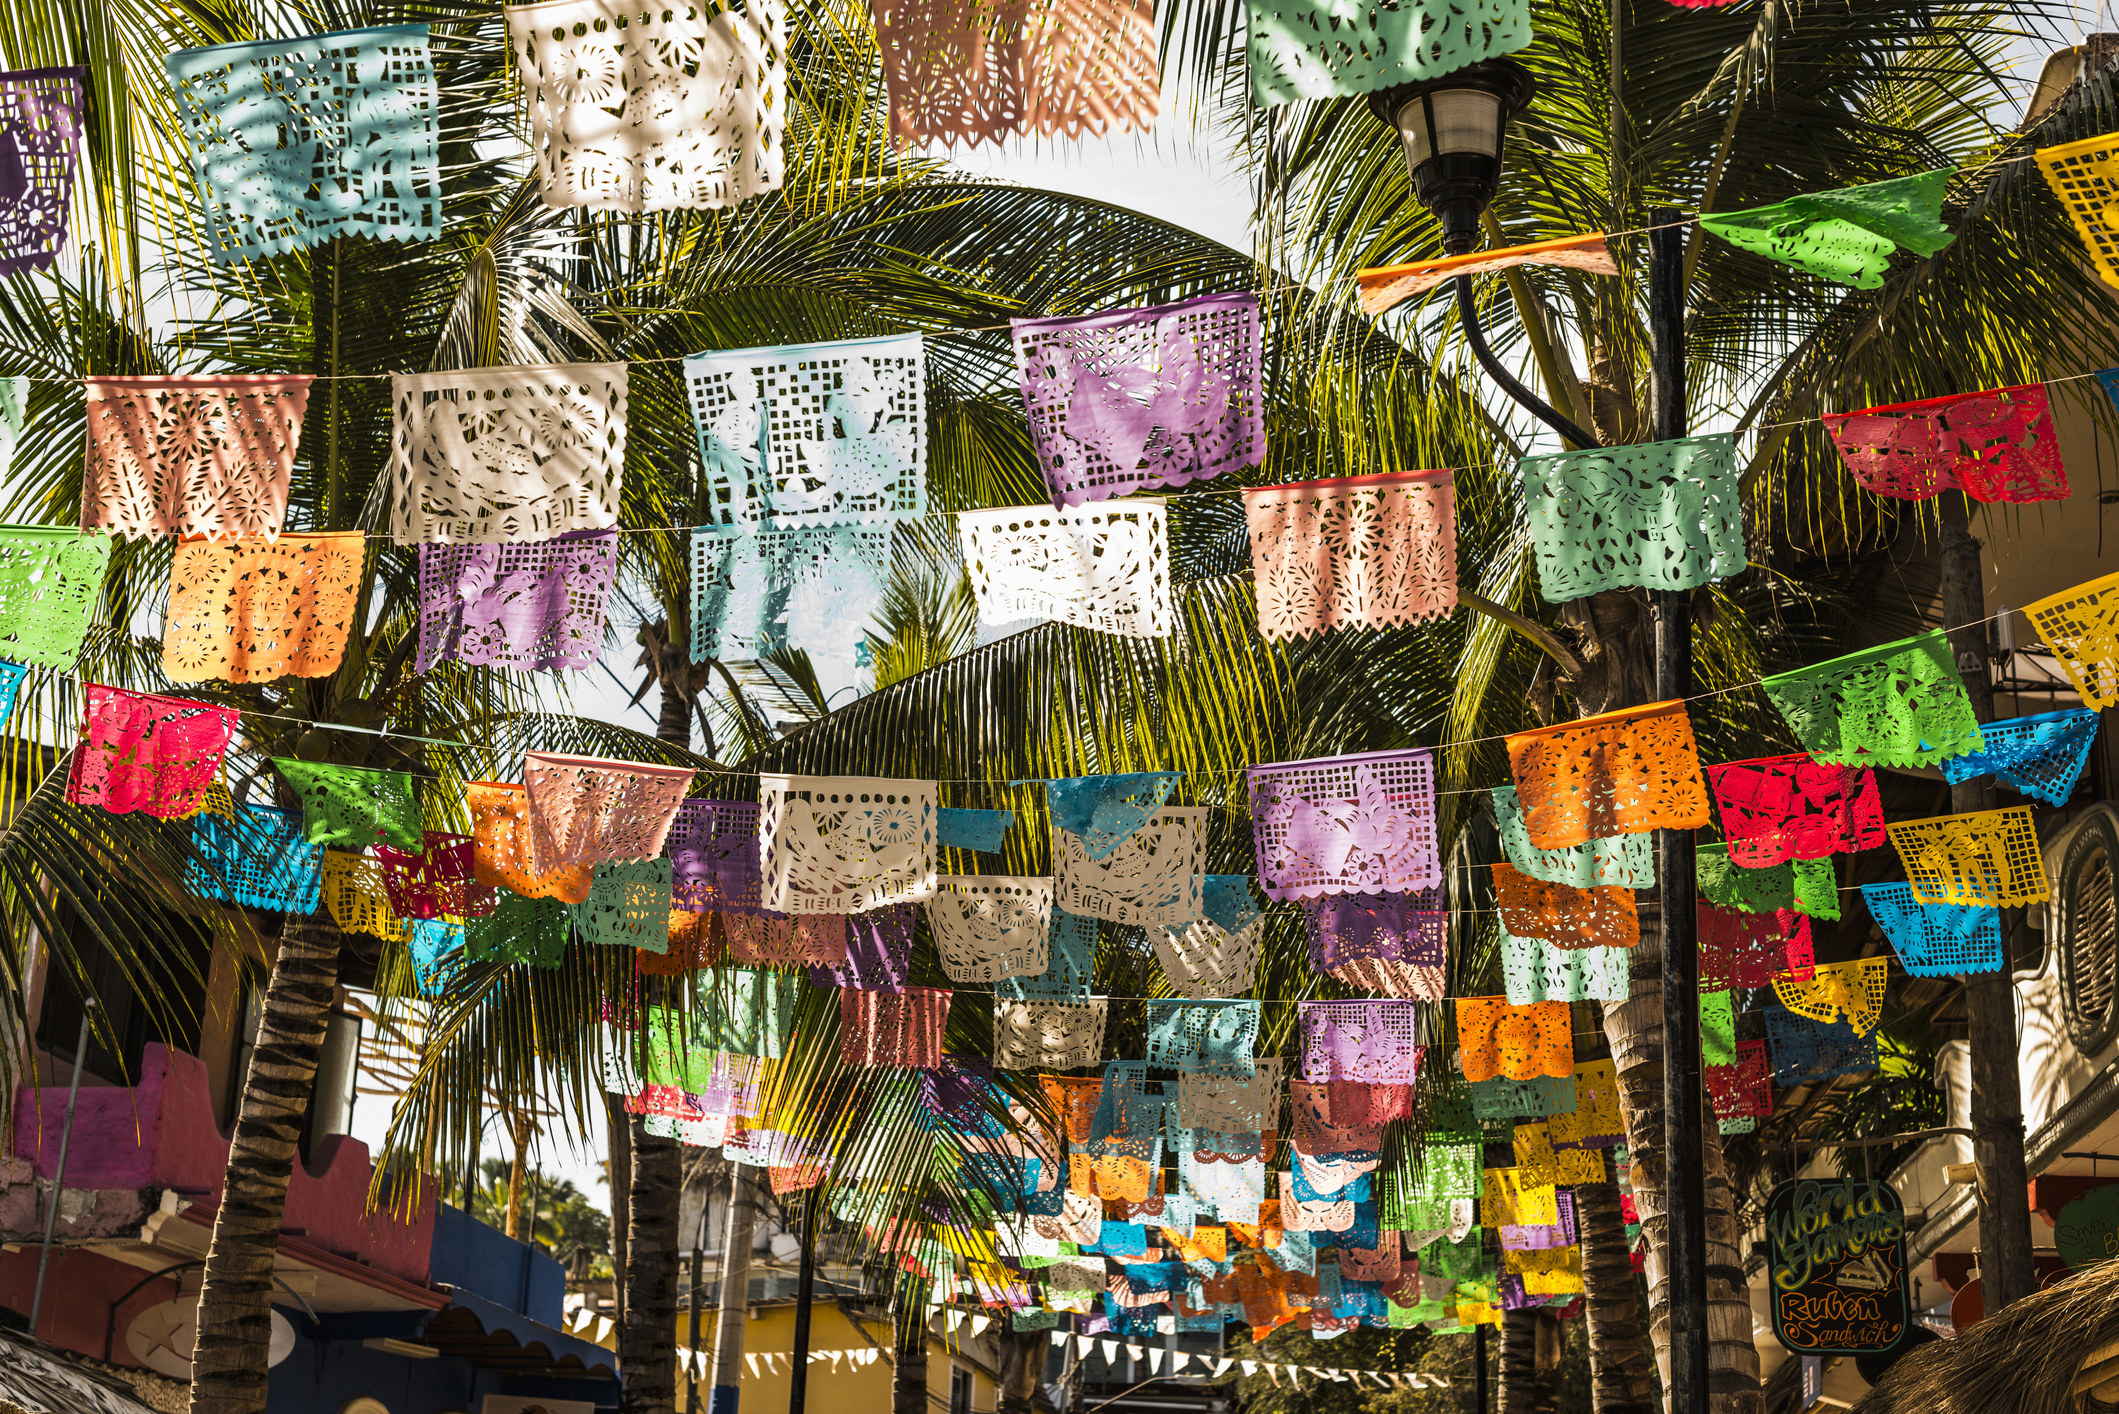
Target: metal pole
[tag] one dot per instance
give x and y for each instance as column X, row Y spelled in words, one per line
column 1685, row 1196
column 66, row 1134
column 691, row 1342
column 805, row 1287
column 1479, row 1368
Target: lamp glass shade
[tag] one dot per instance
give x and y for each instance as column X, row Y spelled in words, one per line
column 1467, row 120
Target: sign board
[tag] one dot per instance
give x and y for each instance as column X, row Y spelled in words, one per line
column 1836, row 1254
column 2088, row 1230
column 1813, row 1379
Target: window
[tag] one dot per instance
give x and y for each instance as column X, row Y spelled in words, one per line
column 133, row 1019
column 2089, row 934
column 959, row 1390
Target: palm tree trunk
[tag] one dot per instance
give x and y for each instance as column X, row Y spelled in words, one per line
column 618, row 1130
column 647, row 1351
column 1022, row 1360
column 908, row 1374
column 1618, row 1355
column 735, row 1287
column 519, row 1132
column 1519, row 1362
column 1634, row 1028
column 229, row 1374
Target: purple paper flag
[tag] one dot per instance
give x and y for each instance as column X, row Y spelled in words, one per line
column 878, row 952
column 1542, row 1237
column 1376, row 1042
column 40, row 130
column 531, row 606
column 1346, row 825
column 1143, row 397
column 713, row 850
column 1344, row 928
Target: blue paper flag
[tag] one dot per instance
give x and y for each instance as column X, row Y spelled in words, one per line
column 981, row 830
column 1936, row 939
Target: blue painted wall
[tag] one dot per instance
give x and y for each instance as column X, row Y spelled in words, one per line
column 320, row 1376
column 485, row 1260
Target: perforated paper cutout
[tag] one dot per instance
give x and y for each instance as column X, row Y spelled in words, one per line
column 1805, row 1050
column 40, row 122
column 1563, row 916
column 813, row 434
column 1384, row 287
column 1899, row 705
column 979, row 830
column 1104, row 566
column 751, row 1012
column 1936, row 939
column 892, row 1028
column 1743, row 1089
column 805, row 940
column 1357, row 552
column 1048, row 1035
column 1998, row 445
column 297, row 142
column 1751, row 949
column 1717, row 1028
column 2080, row 627
column 585, row 809
column 1143, row 397
column 501, row 455
column 1849, row 991
column 351, row 807
column 1070, row 962
column 254, row 611
column 1407, row 981
column 1778, row 808
column 713, row 850
column 1070, row 68
column 1541, row 1163
column 1345, row 824
column 258, row 860
column 1201, row 1035
column 1316, row 49
column 1448, row 1173
column 1232, row 1104
column 1555, row 1272
column 655, row 110
column 437, row 952
column 153, row 754
column 1206, row 960
column 987, row 927
column 844, row 844
column 50, row 580
column 1847, row 235
column 353, row 891
column 531, row 931
column 2040, row 756
column 1596, row 1121
column 506, row 854
column 531, row 607
column 1807, row 886
column 628, row 906
column 1347, row 929
column 1534, row 971
column 440, row 878
column 1517, row 1042
column 1372, row 1041
column 208, row 455
column 2084, row 176
column 1658, row 515
column 1106, row 811
column 1990, row 857
column 814, row 588
column 1622, row 861
column 1153, row 879
column 1312, row 1130
column 1501, row 1098
column 1624, row 772
column 1513, row 1198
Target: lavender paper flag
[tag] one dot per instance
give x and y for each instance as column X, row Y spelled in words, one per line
column 1375, row 1042
column 40, row 129
column 1410, row 928
column 713, row 850
column 1543, row 1237
column 529, row 606
column 1143, row 397
column 878, row 952
column 1345, row 825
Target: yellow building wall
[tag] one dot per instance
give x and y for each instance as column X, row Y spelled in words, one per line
column 849, row 1387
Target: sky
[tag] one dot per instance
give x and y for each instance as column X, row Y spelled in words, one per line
column 1184, row 173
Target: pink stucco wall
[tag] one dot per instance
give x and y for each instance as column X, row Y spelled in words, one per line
column 161, row 1133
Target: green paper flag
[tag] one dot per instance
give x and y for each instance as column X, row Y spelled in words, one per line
column 1717, row 1029
column 352, row 807
column 628, row 906
column 1846, row 236
column 749, row 1011
column 531, row 930
column 1800, row 886
column 1900, row 705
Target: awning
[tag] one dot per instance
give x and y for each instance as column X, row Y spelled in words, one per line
column 40, row 1380
column 491, row 1335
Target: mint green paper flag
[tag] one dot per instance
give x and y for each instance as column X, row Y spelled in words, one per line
column 1847, row 235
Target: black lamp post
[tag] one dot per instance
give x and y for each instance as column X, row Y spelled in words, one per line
column 1452, row 129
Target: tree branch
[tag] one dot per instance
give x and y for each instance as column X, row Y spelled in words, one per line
column 1536, row 632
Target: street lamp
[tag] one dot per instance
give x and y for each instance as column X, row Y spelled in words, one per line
column 1452, row 129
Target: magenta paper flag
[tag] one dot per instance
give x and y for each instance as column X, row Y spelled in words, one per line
column 152, row 754
column 40, row 133
column 1345, row 825
column 1143, row 397
column 536, row 606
